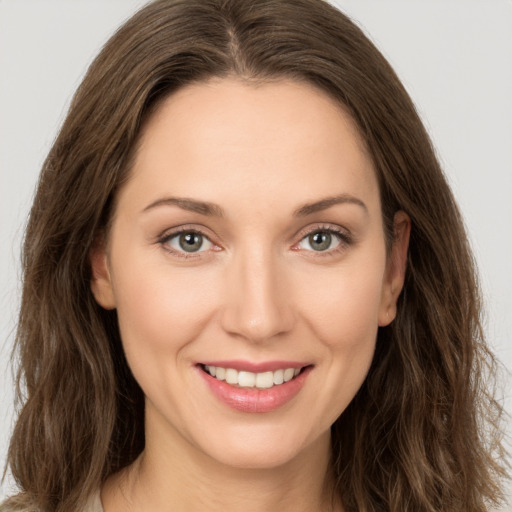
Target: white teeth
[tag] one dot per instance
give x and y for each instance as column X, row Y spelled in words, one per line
column 278, row 377
column 231, row 376
column 288, row 374
column 246, row 379
column 262, row 380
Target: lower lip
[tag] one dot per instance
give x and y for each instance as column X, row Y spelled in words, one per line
column 253, row 399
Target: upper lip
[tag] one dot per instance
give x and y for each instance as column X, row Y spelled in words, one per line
column 248, row 366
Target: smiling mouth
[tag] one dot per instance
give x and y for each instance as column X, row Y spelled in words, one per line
column 245, row 379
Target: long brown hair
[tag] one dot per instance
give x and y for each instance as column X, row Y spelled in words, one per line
column 421, row 434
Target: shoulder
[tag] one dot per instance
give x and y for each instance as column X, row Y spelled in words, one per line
column 93, row 505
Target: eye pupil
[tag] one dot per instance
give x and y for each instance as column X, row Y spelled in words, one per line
column 191, row 242
column 320, row 240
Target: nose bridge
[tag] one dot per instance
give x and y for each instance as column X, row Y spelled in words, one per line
column 257, row 306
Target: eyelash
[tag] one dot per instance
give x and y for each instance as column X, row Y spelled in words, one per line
column 343, row 237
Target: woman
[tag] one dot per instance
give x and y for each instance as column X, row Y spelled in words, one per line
column 246, row 282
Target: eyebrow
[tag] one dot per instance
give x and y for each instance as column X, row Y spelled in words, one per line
column 191, row 205
column 323, row 204
column 213, row 210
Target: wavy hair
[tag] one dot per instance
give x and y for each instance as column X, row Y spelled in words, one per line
column 422, row 433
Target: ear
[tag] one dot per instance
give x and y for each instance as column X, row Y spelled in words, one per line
column 101, row 282
column 395, row 268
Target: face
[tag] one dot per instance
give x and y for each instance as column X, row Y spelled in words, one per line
column 249, row 244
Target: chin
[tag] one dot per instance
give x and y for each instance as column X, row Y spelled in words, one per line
column 266, row 447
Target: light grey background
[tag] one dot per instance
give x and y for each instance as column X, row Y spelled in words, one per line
column 454, row 57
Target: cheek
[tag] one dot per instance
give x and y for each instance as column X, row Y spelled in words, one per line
column 160, row 308
column 344, row 310
column 343, row 316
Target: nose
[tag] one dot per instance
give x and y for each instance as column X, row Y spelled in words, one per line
column 258, row 306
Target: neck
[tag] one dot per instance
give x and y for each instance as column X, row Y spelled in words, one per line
column 176, row 476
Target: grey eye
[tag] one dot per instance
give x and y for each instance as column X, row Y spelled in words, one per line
column 320, row 241
column 189, row 241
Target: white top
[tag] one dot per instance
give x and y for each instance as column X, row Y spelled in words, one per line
column 94, row 503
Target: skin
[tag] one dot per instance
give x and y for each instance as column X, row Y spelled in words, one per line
column 257, row 290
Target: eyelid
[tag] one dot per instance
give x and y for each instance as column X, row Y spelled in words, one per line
column 344, row 236
column 168, row 234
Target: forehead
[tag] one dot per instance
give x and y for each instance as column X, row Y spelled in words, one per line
column 242, row 108
column 280, row 139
